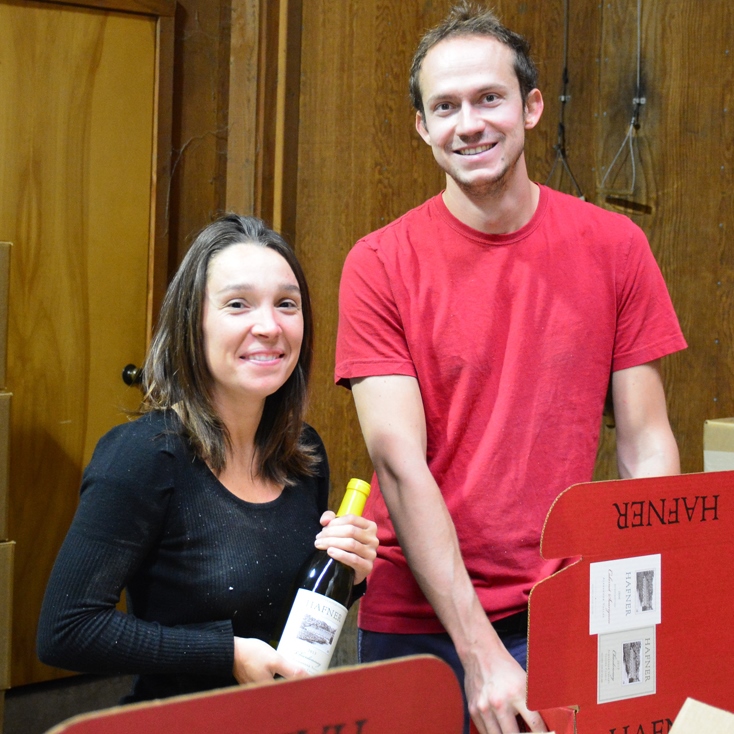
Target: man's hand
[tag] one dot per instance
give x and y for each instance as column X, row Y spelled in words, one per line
column 495, row 686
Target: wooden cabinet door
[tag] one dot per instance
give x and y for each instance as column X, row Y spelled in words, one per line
column 79, row 151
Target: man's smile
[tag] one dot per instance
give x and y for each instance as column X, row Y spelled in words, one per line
column 475, row 151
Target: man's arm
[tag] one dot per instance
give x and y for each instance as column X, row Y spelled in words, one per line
column 390, row 411
column 646, row 446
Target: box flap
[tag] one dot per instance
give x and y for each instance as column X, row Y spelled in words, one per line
column 696, row 717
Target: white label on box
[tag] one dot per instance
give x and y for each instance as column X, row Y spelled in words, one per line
column 624, row 594
column 312, row 630
column 627, row 664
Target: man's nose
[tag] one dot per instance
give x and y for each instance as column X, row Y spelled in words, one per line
column 469, row 122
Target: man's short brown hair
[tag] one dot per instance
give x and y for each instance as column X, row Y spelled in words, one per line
column 470, row 19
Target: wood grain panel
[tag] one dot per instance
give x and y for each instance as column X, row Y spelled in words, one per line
column 76, row 188
column 361, row 164
column 242, row 102
column 200, row 119
column 684, row 179
column 690, row 82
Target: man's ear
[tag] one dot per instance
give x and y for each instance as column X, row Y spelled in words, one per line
column 420, row 126
column 533, row 108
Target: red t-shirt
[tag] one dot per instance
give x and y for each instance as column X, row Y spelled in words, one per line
column 512, row 339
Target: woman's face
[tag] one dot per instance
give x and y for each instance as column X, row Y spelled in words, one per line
column 252, row 322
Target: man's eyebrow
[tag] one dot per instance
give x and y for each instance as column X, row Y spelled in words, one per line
column 450, row 94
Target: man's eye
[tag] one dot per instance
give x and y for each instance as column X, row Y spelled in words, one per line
column 443, row 107
column 490, row 98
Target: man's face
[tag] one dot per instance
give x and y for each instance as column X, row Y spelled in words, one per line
column 475, row 120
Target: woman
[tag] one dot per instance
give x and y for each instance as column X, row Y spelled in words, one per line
column 205, row 507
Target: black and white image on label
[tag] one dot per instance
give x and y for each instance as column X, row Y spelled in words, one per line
column 316, row 631
column 645, row 591
column 631, row 662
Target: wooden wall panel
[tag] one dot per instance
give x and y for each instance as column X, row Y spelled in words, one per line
column 361, row 165
column 200, row 113
column 682, row 152
column 689, row 74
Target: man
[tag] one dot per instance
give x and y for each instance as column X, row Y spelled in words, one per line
column 478, row 333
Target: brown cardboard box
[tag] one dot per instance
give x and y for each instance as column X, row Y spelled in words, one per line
column 6, row 606
column 4, row 287
column 4, row 461
column 696, row 718
column 718, row 444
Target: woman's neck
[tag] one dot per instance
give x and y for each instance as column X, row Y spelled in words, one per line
column 240, row 474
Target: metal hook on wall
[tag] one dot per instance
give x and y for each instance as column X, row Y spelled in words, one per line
column 628, row 152
column 560, row 146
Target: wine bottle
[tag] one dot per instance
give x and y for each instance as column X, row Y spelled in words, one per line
column 323, row 589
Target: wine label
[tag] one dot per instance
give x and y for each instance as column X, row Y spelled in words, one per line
column 312, row 630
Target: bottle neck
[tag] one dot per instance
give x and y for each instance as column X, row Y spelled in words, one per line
column 354, row 498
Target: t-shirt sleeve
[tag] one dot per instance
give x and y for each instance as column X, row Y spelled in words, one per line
column 371, row 338
column 647, row 326
column 124, row 499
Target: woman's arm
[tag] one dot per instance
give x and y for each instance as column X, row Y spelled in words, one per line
column 80, row 627
column 122, row 514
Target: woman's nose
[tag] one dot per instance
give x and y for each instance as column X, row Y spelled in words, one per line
column 266, row 321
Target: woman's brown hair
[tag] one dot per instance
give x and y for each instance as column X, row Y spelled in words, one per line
column 176, row 372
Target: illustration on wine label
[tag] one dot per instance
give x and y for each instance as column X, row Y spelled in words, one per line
column 312, row 631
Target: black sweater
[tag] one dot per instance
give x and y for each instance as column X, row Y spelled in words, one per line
column 200, row 565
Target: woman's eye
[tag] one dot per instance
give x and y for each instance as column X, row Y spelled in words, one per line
column 237, row 305
column 288, row 304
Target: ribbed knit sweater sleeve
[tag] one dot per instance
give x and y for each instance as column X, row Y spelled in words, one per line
column 122, row 514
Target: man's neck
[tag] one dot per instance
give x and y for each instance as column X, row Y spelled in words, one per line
column 498, row 213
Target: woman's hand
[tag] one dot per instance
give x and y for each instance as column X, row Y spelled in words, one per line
column 350, row 539
column 256, row 661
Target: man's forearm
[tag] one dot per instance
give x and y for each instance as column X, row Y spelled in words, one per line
column 428, row 538
column 654, row 453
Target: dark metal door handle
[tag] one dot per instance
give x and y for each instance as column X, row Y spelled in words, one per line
column 132, row 375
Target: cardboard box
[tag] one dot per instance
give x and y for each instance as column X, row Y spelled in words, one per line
column 718, row 444
column 413, row 695
column 638, row 620
column 696, row 717
column 6, row 609
column 5, row 398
